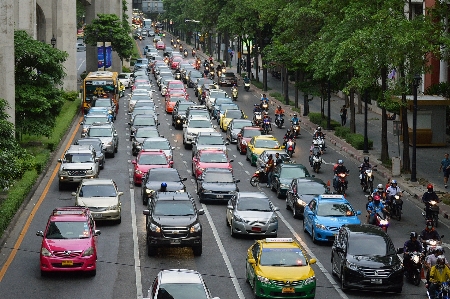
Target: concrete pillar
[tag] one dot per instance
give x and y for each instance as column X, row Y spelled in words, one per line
column 65, row 28
column 25, row 16
column 7, row 92
column 102, row 7
column 45, row 25
column 130, row 17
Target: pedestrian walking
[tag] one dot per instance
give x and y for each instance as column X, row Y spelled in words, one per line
column 343, row 115
column 445, row 167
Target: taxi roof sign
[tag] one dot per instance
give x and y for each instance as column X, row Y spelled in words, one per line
column 331, row 196
column 279, row 240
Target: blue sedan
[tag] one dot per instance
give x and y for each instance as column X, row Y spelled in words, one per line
column 325, row 214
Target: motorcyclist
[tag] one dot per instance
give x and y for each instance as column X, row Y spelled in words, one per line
column 429, row 233
column 287, row 136
column 295, row 119
column 264, row 99
column 391, row 191
column 318, row 133
column 375, row 207
column 431, row 259
column 412, row 245
column 256, row 108
column 205, row 63
column 362, row 168
column 234, row 92
column 379, row 191
column 267, row 120
column 438, row 275
column 339, row 168
column 246, row 79
column 314, row 150
column 185, row 52
column 278, row 112
column 427, row 197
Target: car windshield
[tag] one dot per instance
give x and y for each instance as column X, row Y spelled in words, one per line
column 196, row 75
column 78, row 158
column 103, row 103
column 123, row 76
column 210, row 140
column 213, row 158
column 267, row 143
column 199, row 112
column 184, row 107
column 99, row 132
column 311, row 189
column 240, row 124
column 156, row 144
column 176, row 86
column 68, row 230
column 181, row 291
column 144, row 121
column 229, row 75
column 96, row 119
column 251, row 133
column 282, row 257
column 218, row 94
column 95, row 144
column 234, row 114
column 175, row 99
column 142, row 60
column 144, row 104
column 173, row 208
column 166, row 176
column 152, row 160
column 293, row 172
column 254, row 204
column 100, row 190
column 370, row 245
column 218, row 177
column 146, row 133
column 330, row 209
column 200, row 124
column 221, row 101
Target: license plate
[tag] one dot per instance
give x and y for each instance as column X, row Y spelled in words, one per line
column 376, row 281
column 256, row 229
column 288, row 290
column 97, row 215
column 219, row 196
column 175, row 241
column 67, row 263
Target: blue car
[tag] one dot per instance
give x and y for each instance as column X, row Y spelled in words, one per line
column 325, row 214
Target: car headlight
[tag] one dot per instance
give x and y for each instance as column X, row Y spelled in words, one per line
column 273, row 219
column 181, row 190
column 154, row 228
column 351, row 266
column 237, row 218
column 90, row 171
column 88, row 252
column 301, row 202
column 63, row 172
column 149, row 191
column 244, row 142
column 195, row 228
column 178, row 121
column 263, row 279
column 137, row 171
column 320, row 226
column 284, row 186
column 397, row 267
column 113, row 207
column 45, row 252
column 206, row 191
column 310, row 280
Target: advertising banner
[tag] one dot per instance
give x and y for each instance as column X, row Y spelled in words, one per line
column 100, row 53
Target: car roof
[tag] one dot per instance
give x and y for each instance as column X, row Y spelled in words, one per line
column 105, row 125
column 198, row 117
column 96, row 181
column 209, row 134
column 251, row 194
column 180, row 276
column 310, row 180
column 279, row 243
column 173, row 196
column 292, row 165
column 156, row 139
column 271, row 137
column 164, row 170
column 251, row 128
column 151, row 152
column 364, row 228
column 211, row 169
column 69, row 214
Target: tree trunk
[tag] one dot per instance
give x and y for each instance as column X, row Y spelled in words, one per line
column 256, row 63
column 406, row 162
column 286, row 86
column 359, row 103
column 296, row 88
column 384, row 143
column 352, row 111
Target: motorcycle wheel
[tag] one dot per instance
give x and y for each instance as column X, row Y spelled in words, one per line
column 435, row 220
column 384, row 228
column 254, row 181
column 416, row 278
column 399, row 213
column 371, row 187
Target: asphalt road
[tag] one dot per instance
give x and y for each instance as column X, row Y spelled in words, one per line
column 124, row 269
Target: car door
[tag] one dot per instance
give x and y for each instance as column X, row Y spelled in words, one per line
column 291, row 197
column 250, row 147
column 251, row 269
column 232, row 202
column 309, row 217
column 339, row 251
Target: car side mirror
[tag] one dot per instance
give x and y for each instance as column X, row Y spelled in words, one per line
column 74, row 194
column 312, row 261
column 40, row 233
column 184, row 125
column 60, row 160
column 231, row 160
column 227, row 143
column 129, row 124
column 251, row 261
column 201, row 212
column 358, row 212
column 237, row 181
column 230, row 207
column 184, row 179
column 172, row 148
column 146, row 212
column 276, row 209
column 81, row 122
column 97, row 232
column 239, row 135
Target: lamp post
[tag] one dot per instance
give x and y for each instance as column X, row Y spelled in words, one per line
column 416, row 83
column 266, row 42
column 53, row 41
column 329, row 105
column 366, row 139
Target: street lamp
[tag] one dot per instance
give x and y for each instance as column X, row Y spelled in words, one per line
column 266, row 42
column 416, row 82
column 53, row 41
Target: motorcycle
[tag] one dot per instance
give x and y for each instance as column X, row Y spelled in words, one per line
column 193, row 52
column 368, row 180
column 296, row 128
column 260, row 176
column 265, row 126
column 321, row 143
column 382, row 221
column 234, row 94
column 185, row 53
column 434, row 212
column 413, row 274
column 171, row 41
column 265, row 105
column 181, row 48
column 430, row 245
column 290, row 148
column 175, row 46
column 140, row 37
column 177, row 76
column 342, row 183
column 442, row 293
column 279, row 120
column 316, row 162
column 211, row 75
column 257, row 118
column 394, row 205
column 247, row 86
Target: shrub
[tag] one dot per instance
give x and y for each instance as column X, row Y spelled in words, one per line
column 357, row 141
column 70, row 96
column 126, row 70
column 342, row 132
column 315, row 118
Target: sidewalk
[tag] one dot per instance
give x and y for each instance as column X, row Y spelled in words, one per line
column 427, row 158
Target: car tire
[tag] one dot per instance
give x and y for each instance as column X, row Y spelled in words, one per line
column 279, row 195
column 343, row 285
column 197, row 250
column 255, row 294
column 313, row 235
column 151, row 250
column 119, row 221
column 92, row 273
column 231, row 230
column 246, row 274
column 226, row 220
column 60, row 186
column 113, row 154
column 44, row 274
column 304, row 226
column 246, row 156
column 186, row 146
column 294, row 213
column 144, row 201
column 332, row 266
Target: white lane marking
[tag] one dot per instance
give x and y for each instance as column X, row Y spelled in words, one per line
column 137, row 261
column 224, row 254
column 311, row 254
column 248, row 173
column 240, row 163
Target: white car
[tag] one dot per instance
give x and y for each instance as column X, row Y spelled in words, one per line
column 213, row 95
column 194, row 125
column 126, row 79
column 81, row 47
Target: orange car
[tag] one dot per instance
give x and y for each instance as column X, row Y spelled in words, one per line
column 171, row 101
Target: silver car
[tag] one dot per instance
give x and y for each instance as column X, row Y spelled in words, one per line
column 108, row 135
column 252, row 213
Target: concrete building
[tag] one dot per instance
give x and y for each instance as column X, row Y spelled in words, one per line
column 43, row 20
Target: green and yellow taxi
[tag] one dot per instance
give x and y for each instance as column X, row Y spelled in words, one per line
column 279, row 268
column 228, row 116
column 258, row 144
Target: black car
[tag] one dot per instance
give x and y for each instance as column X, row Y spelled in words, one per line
column 142, row 120
column 179, row 113
column 152, row 181
column 192, row 78
column 216, row 184
column 300, row 193
column 98, row 147
column 283, row 175
column 228, row 78
column 364, row 257
column 172, row 221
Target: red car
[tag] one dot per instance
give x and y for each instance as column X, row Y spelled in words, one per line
column 148, row 159
column 172, row 100
column 69, row 242
column 176, row 84
column 209, row 158
column 175, row 62
column 244, row 137
column 160, row 45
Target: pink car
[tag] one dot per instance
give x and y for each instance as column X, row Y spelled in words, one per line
column 146, row 160
column 160, row 45
column 244, row 137
column 209, row 158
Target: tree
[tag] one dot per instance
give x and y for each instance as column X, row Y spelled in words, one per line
column 38, row 73
column 110, row 28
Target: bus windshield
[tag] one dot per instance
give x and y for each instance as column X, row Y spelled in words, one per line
column 99, row 88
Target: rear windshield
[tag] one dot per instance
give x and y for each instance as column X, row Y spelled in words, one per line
column 368, row 244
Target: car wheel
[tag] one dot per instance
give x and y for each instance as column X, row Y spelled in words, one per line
column 186, row 146
column 333, row 271
column 92, row 273
column 272, row 187
column 255, row 291
column 60, row 186
column 113, row 154
column 197, row 250
column 279, row 195
column 313, row 235
column 304, row 226
column 288, row 207
column 246, row 274
column 294, row 213
column 119, row 221
column 116, row 148
column 343, row 285
column 226, row 220
column 246, row 156
column 144, row 201
column 231, row 230
column 44, row 273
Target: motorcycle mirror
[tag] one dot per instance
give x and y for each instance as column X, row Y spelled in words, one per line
column 400, row 250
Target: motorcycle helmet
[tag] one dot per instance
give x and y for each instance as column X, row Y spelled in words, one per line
column 369, row 198
column 295, row 115
column 430, row 224
column 319, row 129
column 430, row 187
column 256, row 105
column 288, row 131
column 279, row 107
column 266, row 113
column 413, row 235
column 440, row 261
column 376, row 198
column 340, row 162
column 366, row 159
column 439, row 250
column 380, row 187
column 163, row 185
column 393, row 182
column 264, row 95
